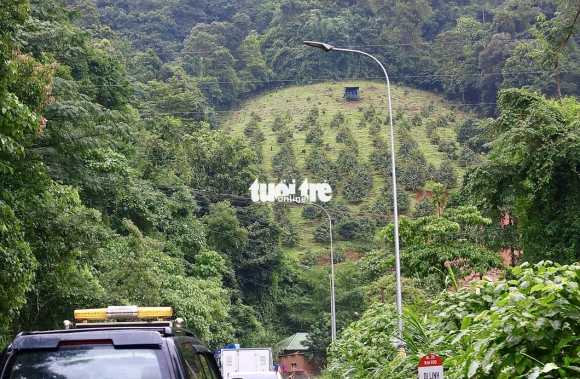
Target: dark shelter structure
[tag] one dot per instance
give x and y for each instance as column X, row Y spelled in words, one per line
column 351, row 93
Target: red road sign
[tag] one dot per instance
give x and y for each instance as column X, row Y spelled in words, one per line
column 430, row 367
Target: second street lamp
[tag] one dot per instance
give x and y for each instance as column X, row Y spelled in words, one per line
column 332, row 300
column 326, row 47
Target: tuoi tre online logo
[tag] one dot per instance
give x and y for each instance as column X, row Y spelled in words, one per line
column 286, row 193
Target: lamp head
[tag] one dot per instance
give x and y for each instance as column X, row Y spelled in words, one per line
column 324, row 46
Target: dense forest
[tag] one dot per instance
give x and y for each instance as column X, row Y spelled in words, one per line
column 119, row 183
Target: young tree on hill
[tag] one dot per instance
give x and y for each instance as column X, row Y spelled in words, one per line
column 337, row 120
column 284, row 158
column 380, row 157
column 446, row 174
column 314, row 135
column 357, row 184
column 353, row 189
column 346, row 161
column 411, row 174
column 423, row 208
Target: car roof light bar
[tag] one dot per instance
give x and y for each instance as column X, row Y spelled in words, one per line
column 122, row 313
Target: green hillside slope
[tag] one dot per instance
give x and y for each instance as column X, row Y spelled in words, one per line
column 328, row 98
column 297, row 110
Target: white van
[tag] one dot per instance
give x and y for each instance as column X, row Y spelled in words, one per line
column 254, row 375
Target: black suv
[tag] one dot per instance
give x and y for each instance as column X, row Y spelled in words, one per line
column 110, row 350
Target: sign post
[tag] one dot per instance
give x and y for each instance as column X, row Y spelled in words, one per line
column 431, row 367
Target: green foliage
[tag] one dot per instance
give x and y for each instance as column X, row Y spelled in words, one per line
column 460, row 48
column 520, row 328
column 432, row 243
column 468, row 157
column 219, row 162
column 384, row 290
column 63, row 276
column 430, row 127
column 435, row 138
column 370, row 114
column 374, row 264
column 439, row 197
column 203, row 304
column 365, row 348
column 343, row 134
column 285, row 160
column 470, row 134
column 554, row 35
column 527, row 173
column 411, row 174
column 179, row 98
column 145, row 66
column 251, row 127
column 350, row 228
column 209, row 265
column 319, row 339
column 278, row 123
column 312, row 116
column 260, row 261
column 403, row 200
column 224, row 232
column 17, row 267
column 423, row 208
column 290, row 235
column 449, row 148
column 426, row 110
column 408, row 146
column 126, row 133
column 248, row 330
column 16, row 121
column 130, row 269
column 416, row 120
column 285, row 134
column 322, row 232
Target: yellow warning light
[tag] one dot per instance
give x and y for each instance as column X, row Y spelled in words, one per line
column 123, row 312
column 91, row 314
column 154, row 312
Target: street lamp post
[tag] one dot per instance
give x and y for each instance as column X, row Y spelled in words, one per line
column 326, row 47
column 332, row 300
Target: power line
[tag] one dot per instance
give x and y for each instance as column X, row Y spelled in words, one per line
column 305, row 80
column 360, row 47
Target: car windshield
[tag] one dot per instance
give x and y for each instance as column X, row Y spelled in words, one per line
column 90, row 362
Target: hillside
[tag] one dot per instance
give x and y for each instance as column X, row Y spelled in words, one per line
column 300, row 109
column 298, row 101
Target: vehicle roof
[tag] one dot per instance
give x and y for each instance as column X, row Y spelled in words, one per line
column 124, row 336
